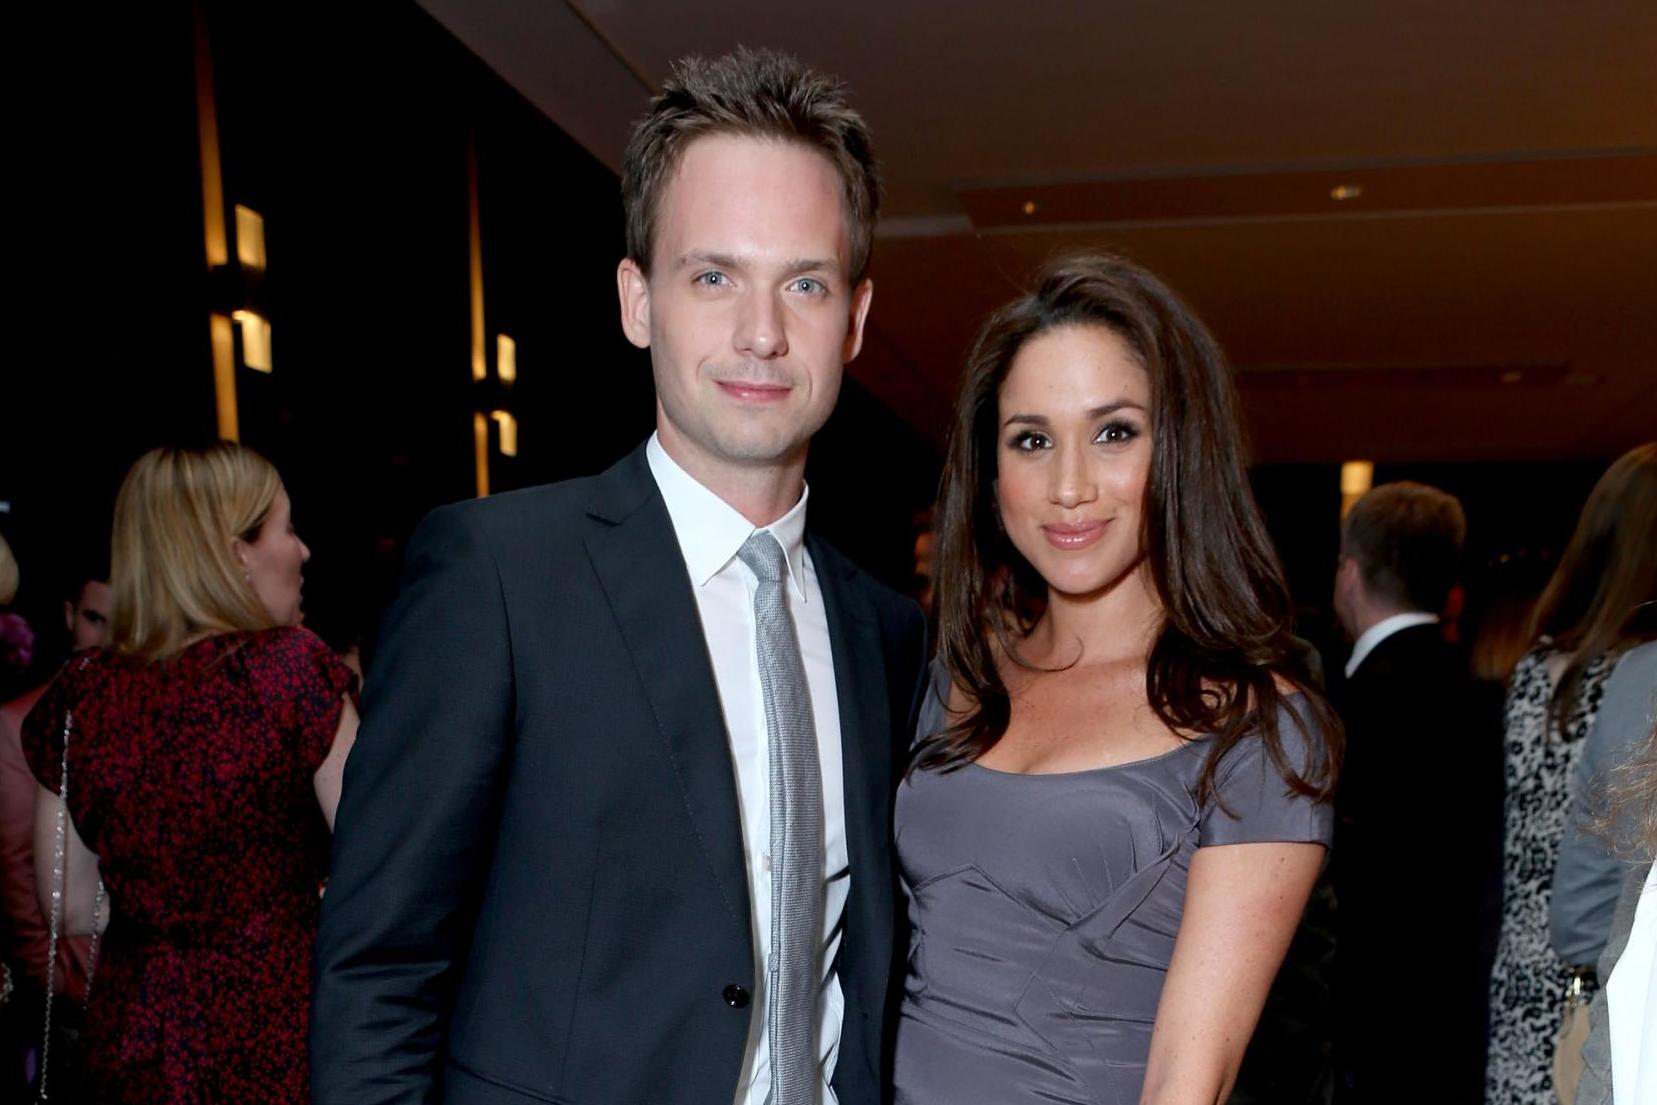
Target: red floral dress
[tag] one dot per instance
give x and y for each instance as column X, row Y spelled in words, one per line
column 191, row 778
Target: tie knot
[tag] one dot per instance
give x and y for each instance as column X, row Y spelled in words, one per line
column 764, row 557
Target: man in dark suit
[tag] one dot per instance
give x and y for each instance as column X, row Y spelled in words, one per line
column 616, row 825
column 1419, row 810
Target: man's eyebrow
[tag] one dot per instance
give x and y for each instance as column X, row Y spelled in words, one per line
column 812, row 264
column 731, row 261
column 717, row 260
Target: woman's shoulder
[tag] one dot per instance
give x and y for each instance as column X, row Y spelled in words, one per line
column 282, row 645
column 1637, row 667
column 937, row 710
column 86, row 676
column 292, row 659
column 1541, row 661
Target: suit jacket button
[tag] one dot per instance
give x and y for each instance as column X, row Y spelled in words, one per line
column 736, row 997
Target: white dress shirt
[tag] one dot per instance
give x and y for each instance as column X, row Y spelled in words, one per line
column 1380, row 631
column 710, row 532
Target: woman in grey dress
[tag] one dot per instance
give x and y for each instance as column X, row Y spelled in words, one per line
column 1120, row 799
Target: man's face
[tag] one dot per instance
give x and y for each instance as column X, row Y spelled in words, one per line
column 88, row 616
column 748, row 312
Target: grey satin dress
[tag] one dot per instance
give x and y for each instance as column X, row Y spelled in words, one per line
column 1044, row 910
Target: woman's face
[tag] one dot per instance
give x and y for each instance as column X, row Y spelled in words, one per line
column 1073, row 455
column 274, row 561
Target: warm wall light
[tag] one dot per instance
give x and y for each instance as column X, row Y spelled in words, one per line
column 474, row 263
column 508, row 428
column 223, row 334
column 250, row 238
column 480, row 455
column 216, row 238
column 1346, row 191
column 1356, row 478
column 506, row 359
column 255, row 339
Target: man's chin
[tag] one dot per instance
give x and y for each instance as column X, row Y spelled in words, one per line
column 759, row 445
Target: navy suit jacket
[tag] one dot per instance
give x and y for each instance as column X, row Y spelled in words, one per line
column 538, row 889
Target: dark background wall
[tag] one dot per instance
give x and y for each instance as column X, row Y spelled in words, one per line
column 348, row 130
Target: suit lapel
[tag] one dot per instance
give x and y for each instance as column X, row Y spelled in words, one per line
column 865, row 742
column 637, row 561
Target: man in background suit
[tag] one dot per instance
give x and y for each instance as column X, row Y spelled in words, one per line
column 609, row 717
column 1419, row 811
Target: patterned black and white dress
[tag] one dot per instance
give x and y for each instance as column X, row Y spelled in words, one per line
column 1527, row 984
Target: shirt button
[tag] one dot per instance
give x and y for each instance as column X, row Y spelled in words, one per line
column 735, row 996
column 765, row 863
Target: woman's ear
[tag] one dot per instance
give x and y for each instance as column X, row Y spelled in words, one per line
column 239, row 549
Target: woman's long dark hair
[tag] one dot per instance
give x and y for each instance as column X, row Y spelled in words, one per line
column 1226, row 637
column 1603, row 596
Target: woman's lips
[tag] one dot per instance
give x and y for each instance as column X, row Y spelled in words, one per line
column 1073, row 535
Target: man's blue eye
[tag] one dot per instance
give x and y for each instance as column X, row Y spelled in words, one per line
column 711, row 279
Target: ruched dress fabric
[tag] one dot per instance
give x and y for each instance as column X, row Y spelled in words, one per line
column 1044, row 910
column 191, row 778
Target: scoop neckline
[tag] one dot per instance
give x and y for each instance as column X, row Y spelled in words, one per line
column 1083, row 771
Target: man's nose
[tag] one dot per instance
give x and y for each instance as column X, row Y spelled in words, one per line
column 761, row 327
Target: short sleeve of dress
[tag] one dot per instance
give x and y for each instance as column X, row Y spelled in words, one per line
column 306, row 685
column 1253, row 805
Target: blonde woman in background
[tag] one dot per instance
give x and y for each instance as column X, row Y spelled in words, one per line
column 204, row 758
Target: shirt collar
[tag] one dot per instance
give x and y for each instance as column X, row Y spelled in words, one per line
column 1380, row 631
column 710, row 530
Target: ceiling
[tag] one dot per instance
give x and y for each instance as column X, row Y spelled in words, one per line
column 1489, row 292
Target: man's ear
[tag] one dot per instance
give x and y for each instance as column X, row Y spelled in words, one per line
column 633, row 292
column 1350, row 575
column 862, row 296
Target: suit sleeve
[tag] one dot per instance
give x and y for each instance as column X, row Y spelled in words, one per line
column 416, row 823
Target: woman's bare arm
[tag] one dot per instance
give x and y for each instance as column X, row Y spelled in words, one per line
column 1242, row 905
column 329, row 776
column 81, row 917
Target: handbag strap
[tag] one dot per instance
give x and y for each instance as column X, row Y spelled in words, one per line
column 54, row 927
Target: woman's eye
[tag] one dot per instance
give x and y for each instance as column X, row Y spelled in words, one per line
column 1029, row 441
column 1116, row 433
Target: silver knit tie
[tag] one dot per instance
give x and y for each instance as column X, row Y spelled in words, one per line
column 796, row 831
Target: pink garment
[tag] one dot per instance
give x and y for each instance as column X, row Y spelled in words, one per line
column 28, row 931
